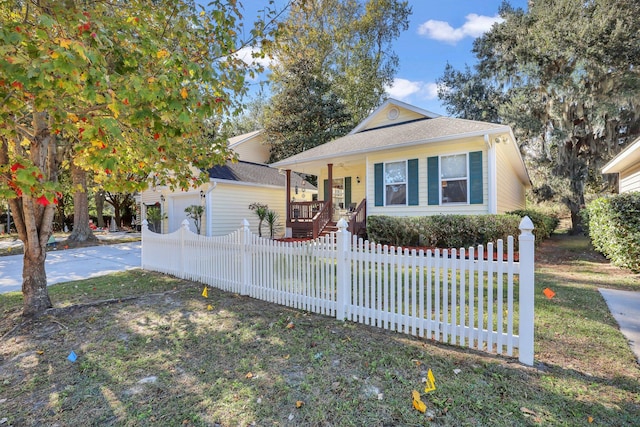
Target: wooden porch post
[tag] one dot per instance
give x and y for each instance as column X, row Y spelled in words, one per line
column 288, row 191
column 330, row 184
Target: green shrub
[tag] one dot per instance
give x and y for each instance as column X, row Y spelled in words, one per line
column 391, row 230
column 442, row 231
column 544, row 224
column 614, row 228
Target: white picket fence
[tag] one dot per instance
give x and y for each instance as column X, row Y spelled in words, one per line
column 452, row 296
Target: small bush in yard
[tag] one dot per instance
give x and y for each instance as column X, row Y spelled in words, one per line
column 614, row 228
column 544, row 225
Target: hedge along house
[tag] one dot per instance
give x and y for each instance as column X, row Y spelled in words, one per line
column 226, row 196
column 627, row 165
column 405, row 161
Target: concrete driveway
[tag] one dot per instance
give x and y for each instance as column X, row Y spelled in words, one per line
column 74, row 264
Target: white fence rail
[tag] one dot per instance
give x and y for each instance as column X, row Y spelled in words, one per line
column 478, row 297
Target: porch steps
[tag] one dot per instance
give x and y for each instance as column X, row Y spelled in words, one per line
column 305, row 233
column 331, row 227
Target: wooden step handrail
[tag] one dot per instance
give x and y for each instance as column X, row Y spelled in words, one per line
column 321, row 219
column 358, row 218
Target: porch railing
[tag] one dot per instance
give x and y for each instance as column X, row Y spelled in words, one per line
column 321, row 219
column 304, row 211
column 358, row 219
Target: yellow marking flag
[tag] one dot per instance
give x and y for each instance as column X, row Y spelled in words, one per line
column 431, row 382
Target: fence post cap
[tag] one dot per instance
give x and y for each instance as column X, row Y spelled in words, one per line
column 185, row 223
column 245, row 223
column 526, row 225
column 342, row 224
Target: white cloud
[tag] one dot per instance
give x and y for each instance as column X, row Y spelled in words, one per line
column 474, row 26
column 246, row 55
column 402, row 89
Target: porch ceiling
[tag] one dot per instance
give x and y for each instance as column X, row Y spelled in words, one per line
column 313, row 167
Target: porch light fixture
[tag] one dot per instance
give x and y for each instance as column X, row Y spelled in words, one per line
column 296, row 188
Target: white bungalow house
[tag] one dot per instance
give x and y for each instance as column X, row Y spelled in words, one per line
column 406, row 161
column 230, row 190
column 627, row 165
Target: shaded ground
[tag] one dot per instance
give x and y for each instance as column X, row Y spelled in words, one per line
column 169, row 356
column 10, row 245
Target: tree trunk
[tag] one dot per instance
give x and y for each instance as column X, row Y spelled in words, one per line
column 117, row 215
column 100, row 207
column 81, row 231
column 33, row 219
column 34, row 283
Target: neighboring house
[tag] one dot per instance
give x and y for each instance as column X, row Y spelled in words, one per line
column 251, row 147
column 226, row 197
column 405, row 161
column 627, row 165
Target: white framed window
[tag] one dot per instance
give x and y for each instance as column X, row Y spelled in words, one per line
column 454, row 179
column 395, row 183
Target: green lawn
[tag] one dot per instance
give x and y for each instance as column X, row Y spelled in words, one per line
column 166, row 358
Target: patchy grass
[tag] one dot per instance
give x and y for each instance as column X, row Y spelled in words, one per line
column 164, row 358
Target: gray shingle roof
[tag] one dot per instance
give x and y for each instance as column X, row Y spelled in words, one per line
column 256, row 173
column 419, row 131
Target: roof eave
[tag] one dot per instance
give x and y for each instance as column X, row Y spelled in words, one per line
column 501, row 129
column 624, row 159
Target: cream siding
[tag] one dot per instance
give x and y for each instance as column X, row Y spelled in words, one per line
column 358, row 191
column 630, row 180
column 422, row 153
column 150, row 197
column 229, row 205
column 511, row 191
column 253, row 150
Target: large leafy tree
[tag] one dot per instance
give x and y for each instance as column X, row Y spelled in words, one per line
column 121, row 88
column 343, row 47
column 567, row 78
column 303, row 113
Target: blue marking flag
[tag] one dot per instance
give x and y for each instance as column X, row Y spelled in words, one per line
column 72, row 356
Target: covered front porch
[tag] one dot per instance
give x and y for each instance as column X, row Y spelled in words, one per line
column 344, row 190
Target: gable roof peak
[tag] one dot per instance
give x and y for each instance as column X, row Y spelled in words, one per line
column 392, row 107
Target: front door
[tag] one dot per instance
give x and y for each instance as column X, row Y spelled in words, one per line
column 341, row 192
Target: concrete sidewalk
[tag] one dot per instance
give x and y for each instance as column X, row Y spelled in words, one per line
column 74, row 264
column 625, row 308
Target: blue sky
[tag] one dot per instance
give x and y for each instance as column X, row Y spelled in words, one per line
column 440, row 31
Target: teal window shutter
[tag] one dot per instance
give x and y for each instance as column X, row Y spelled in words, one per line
column 475, row 178
column 412, row 188
column 347, row 192
column 433, row 181
column 378, row 180
column 326, row 190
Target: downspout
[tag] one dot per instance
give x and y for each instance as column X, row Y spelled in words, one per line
column 330, row 184
column 492, row 185
column 208, row 209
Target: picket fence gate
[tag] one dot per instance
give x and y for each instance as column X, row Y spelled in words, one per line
column 467, row 297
